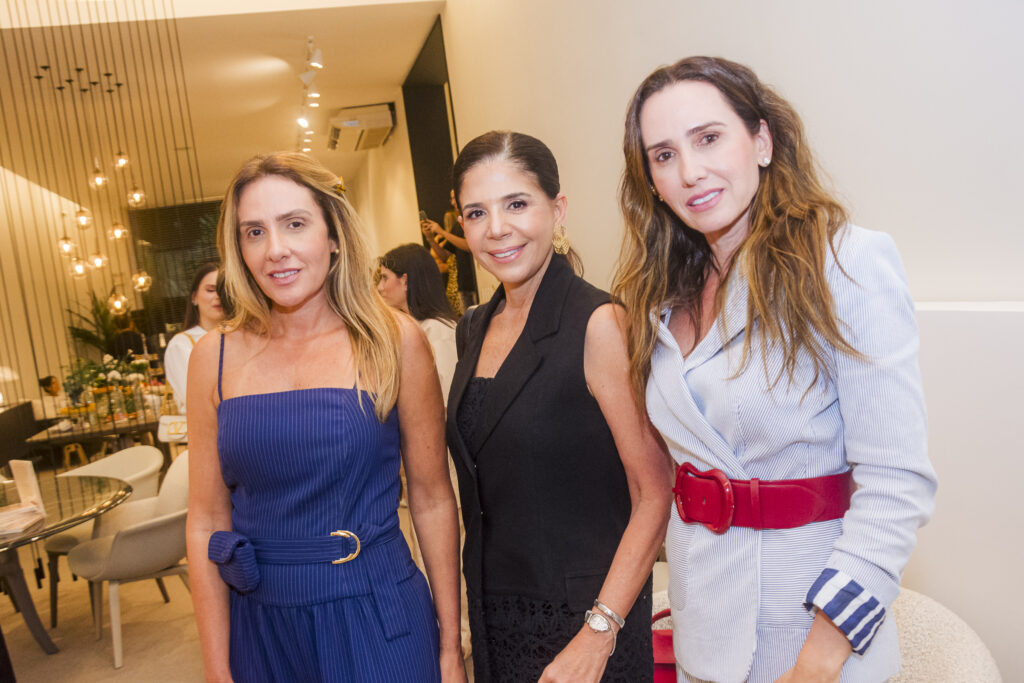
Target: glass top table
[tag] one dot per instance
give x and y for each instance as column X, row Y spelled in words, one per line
column 68, row 501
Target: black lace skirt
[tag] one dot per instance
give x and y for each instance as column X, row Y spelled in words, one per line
column 523, row 635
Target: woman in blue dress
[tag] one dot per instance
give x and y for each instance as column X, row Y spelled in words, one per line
column 300, row 409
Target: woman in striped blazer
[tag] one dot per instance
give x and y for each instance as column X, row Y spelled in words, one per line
column 777, row 349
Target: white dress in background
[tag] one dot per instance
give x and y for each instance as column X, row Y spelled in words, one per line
column 441, row 335
column 176, row 361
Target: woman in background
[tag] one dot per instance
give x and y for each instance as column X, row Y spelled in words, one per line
column 777, row 346
column 203, row 312
column 408, row 281
column 564, row 488
column 300, row 412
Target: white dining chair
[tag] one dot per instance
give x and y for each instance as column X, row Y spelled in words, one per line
column 139, row 466
column 149, row 544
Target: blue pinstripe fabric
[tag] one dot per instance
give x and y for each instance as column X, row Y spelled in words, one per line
column 738, row 598
column 299, row 465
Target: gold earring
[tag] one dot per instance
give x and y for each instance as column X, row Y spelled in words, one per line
column 560, row 241
column 655, row 192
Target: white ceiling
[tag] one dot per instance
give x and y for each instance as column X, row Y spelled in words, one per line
column 241, row 76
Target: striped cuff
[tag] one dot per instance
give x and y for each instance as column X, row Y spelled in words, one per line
column 854, row 610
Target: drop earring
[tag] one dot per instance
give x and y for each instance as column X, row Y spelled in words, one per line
column 560, row 241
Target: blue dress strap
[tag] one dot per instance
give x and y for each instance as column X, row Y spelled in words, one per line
column 220, row 368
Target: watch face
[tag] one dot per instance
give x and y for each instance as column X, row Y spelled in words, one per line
column 597, row 622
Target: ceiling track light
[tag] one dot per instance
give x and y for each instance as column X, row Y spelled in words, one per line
column 314, row 58
column 302, row 120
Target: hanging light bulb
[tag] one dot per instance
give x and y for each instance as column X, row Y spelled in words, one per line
column 302, row 120
column 97, row 260
column 136, row 197
column 117, row 231
column 78, row 268
column 141, row 281
column 98, row 179
column 83, row 218
column 117, row 303
column 65, row 245
column 121, row 160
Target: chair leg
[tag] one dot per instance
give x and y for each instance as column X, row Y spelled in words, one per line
column 96, row 591
column 115, row 622
column 184, row 580
column 163, row 589
column 52, row 559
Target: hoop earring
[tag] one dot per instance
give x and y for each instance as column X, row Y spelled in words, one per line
column 560, row 241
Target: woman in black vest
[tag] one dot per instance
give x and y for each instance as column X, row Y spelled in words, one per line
column 565, row 490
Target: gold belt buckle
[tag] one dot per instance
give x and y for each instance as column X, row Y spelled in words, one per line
column 352, row 555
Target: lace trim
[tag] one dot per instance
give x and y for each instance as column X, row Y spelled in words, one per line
column 524, row 635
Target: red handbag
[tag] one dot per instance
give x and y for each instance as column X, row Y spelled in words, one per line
column 664, row 657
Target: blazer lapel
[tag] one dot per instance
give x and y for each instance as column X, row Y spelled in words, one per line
column 670, row 379
column 465, row 369
column 524, row 359
column 729, row 324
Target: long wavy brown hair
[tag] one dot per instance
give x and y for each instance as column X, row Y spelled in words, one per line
column 793, row 220
column 351, row 293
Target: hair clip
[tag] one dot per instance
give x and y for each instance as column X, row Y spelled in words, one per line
column 339, row 188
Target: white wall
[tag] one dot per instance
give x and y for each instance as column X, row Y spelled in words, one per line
column 384, row 191
column 970, row 556
column 911, row 108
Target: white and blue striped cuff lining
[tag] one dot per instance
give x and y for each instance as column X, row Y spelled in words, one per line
column 854, row 610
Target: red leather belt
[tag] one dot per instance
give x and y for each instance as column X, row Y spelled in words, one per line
column 712, row 499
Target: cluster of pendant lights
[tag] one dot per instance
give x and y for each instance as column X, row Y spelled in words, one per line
column 310, row 93
column 79, row 267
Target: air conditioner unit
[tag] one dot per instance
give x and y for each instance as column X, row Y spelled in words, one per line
column 353, row 129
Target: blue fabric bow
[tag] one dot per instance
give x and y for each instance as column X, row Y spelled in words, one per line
column 235, row 560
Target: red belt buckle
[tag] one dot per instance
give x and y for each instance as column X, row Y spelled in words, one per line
column 683, row 497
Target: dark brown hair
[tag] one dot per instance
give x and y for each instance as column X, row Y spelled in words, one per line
column 793, row 220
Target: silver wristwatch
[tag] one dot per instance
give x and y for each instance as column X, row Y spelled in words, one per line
column 599, row 623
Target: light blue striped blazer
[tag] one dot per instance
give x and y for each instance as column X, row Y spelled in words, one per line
column 738, row 599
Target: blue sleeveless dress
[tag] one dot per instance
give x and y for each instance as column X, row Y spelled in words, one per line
column 302, row 465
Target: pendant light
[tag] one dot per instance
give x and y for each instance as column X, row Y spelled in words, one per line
column 117, row 231
column 97, row 260
column 136, row 197
column 83, row 219
column 117, row 303
column 142, row 281
column 78, row 268
column 65, row 245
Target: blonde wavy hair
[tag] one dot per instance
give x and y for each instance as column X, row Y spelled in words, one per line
column 793, row 220
column 351, row 293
